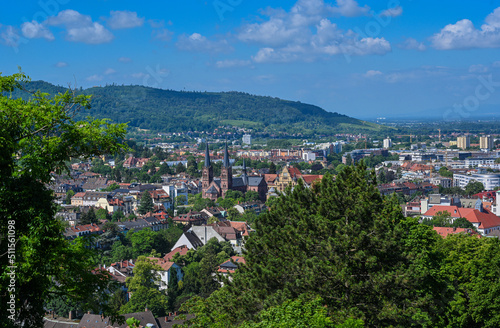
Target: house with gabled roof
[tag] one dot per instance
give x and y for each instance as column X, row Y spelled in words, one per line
column 181, row 250
column 483, row 220
column 167, row 269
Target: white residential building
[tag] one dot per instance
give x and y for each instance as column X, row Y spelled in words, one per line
column 247, row 139
column 490, row 181
column 387, row 143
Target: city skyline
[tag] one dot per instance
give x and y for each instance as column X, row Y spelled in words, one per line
column 364, row 59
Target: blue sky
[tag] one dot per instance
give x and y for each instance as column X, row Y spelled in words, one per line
column 365, row 59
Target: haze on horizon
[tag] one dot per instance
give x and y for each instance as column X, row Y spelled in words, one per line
column 365, row 59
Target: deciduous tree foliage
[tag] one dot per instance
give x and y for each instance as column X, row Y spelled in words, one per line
column 341, row 241
column 38, row 136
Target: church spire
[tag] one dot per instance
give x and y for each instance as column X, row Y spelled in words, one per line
column 244, row 175
column 207, row 157
column 226, row 157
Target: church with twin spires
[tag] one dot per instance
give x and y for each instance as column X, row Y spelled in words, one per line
column 213, row 188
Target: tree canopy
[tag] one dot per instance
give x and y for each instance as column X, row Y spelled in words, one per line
column 341, row 241
column 38, row 136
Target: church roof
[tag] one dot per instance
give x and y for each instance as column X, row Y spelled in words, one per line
column 238, row 182
column 254, row 181
column 212, row 190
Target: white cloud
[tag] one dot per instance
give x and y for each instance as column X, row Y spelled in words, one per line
column 306, row 33
column 412, row 44
column 80, row 28
column 228, row 63
column 94, row 78
column 372, row 73
column 270, row 55
column 94, row 34
column 350, row 8
column 69, row 18
column 61, row 64
column 33, row 30
column 199, row 43
column 124, row 19
column 392, row 12
column 463, row 34
column 124, row 60
column 109, row 71
column 479, row 68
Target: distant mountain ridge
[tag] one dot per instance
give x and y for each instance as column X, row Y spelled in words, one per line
column 176, row 111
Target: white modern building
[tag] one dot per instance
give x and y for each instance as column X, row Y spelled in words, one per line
column 247, row 139
column 387, row 143
column 490, row 181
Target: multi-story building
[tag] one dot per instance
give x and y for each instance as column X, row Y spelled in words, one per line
column 486, row 142
column 247, row 139
column 490, row 181
column 463, row 142
column 387, row 143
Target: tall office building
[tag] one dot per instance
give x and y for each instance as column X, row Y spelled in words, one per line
column 387, row 143
column 486, row 142
column 463, row 142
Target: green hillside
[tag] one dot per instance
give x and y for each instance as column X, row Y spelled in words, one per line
column 175, row 111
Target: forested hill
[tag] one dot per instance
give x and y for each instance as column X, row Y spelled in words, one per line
column 175, row 111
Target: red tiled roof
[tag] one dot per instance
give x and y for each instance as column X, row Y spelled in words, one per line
column 310, row 178
column 294, row 171
column 485, row 219
column 445, row 231
column 165, row 265
column 182, row 250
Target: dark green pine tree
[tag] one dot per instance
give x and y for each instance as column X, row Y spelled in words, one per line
column 272, row 168
column 172, row 290
column 146, row 204
column 341, row 241
column 88, row 217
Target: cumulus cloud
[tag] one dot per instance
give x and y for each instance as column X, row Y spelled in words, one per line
column 306, row 33
column 350, row 8
column 464, row 35
column 80, row 28
column 124, row 19
column 392, row 12
column 34, row 30
column 61, row 64
column 412, row 44
column 199, row 43
column 228, row 63
column 372, row 73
